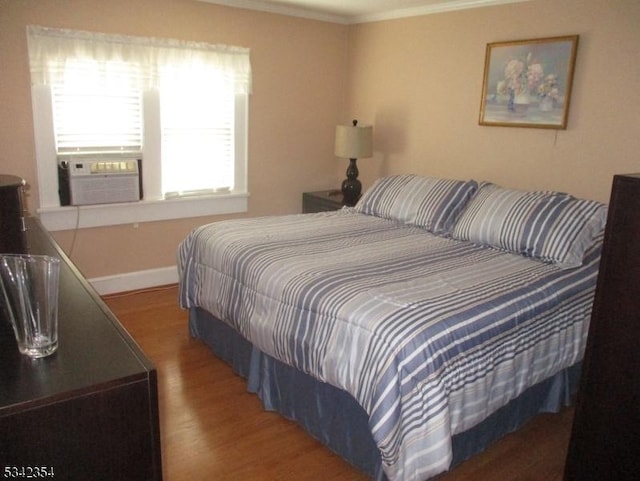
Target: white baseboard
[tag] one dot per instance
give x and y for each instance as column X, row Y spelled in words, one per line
column 132, row 281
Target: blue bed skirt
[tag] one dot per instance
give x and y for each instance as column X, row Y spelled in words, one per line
column 333, row 417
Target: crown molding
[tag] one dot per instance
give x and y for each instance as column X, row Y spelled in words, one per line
column 428, row 10
column 281, row 9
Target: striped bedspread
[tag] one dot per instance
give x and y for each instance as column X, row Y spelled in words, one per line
column 430, row 335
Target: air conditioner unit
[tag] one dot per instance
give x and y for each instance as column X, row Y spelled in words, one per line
column 103, row 182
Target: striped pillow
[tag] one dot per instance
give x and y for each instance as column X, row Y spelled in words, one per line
column 430, row 203
column 549, row 226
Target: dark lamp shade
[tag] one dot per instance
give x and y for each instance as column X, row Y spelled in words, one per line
column 354, row 142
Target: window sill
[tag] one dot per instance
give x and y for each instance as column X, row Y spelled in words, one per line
column 72, row 217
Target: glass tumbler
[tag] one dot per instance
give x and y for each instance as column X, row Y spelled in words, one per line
column 30, row 291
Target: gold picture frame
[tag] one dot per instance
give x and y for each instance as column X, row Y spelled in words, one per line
column 527, row 83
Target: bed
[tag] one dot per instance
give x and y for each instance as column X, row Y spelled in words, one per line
column 409, row 332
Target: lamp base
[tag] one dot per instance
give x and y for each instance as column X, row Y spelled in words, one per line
column 351, row 186
column 351, row 190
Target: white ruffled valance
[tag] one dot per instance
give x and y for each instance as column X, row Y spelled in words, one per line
column 51, row 49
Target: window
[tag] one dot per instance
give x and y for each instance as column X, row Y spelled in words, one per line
column 180, row 106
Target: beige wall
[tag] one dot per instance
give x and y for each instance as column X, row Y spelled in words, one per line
column 419, row 81
column 299, row 75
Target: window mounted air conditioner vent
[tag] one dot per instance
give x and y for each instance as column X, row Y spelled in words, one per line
column 101, row 182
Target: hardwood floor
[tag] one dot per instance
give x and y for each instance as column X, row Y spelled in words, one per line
column 213, row 429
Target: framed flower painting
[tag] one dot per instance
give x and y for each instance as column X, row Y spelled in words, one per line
column 527, row 83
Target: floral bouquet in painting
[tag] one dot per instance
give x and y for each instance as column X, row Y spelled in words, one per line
column 521, row 78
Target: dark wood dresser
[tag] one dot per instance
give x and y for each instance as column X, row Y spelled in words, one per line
column 89, row 411
column 605, row 440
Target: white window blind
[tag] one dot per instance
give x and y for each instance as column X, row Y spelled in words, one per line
column 197, row 122
column 97, row 108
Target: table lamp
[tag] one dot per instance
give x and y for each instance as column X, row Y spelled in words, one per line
column 353, row 142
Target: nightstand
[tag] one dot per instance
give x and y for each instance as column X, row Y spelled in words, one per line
column 321, row 201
